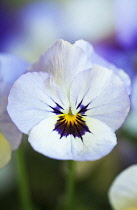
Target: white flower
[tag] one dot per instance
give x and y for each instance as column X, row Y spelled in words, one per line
column 72, row 108
column 123, row 192
column 11, row 67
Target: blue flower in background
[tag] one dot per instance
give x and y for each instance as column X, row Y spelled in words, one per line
column 11, row 67
column 125, row 23
column 9, row 25
column 71, row 107
column 122, row 48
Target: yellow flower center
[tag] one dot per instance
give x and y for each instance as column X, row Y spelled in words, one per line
column 5, row 151
column 131, row 208
column 70, row 117
column 70, row 124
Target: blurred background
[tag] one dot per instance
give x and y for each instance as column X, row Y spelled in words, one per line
column 27, row 29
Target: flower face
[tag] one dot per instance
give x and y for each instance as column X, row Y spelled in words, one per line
column 70, row 108
column 11, row 68
column 123, row 192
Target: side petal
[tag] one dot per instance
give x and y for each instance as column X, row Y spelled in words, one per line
column 5, row 151
column 95, row 144
column 63, row 61
column 34, row 97
column 96, row 59
column 103, row 95
column 123, row 192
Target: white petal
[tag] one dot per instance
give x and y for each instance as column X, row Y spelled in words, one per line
column 123, row 192
column 104, row 92
column 62, row 60
column 96, row 59
column 31, row 97
column 46, row 141
column 95, row 145
column 5, row 151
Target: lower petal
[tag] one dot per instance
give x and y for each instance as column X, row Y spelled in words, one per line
column 93, row 145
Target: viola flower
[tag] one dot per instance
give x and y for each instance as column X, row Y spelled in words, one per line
column 70, row 108
column 123, row 192
column 11, row 67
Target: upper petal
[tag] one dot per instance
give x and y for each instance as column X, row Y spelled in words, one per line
column 34, row 97
column 96, row 59
column 103, row 95
column 95, row 144
column 123, row 192
column 63, row 61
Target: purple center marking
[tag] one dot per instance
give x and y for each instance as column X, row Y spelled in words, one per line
column 72, row 124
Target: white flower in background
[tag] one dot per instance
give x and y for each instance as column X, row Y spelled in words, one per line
column 123, row 192
column 71, row 107
column 11, row 68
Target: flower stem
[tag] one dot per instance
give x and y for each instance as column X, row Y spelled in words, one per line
column 69, row 205
column 22, row 178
